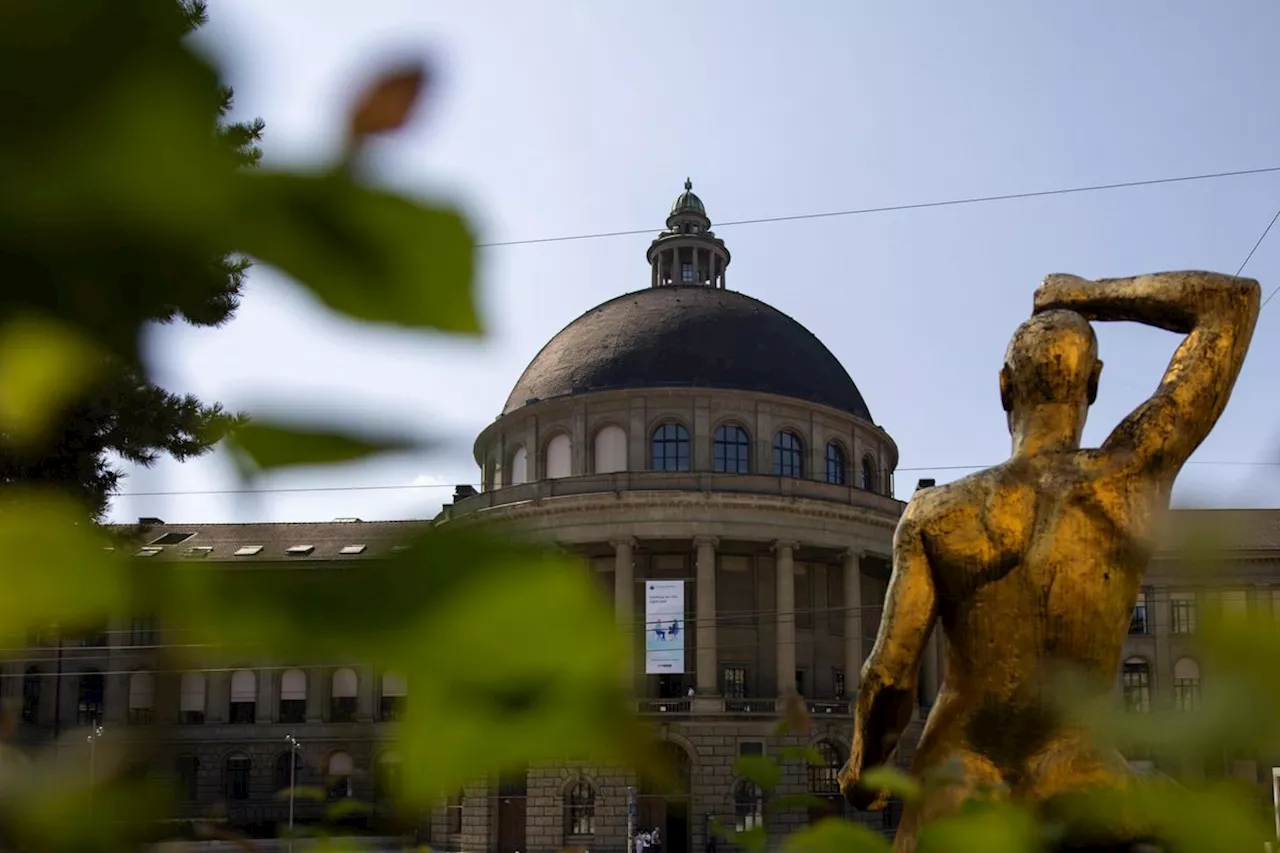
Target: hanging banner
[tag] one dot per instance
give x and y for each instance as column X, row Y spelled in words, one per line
column 664, row 627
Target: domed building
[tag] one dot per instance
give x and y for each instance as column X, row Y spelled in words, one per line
column 714, row 461
column 725, row 482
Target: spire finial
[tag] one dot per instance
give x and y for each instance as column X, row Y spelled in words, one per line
column 688, row 184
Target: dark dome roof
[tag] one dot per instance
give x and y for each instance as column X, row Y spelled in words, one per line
column 688, row 336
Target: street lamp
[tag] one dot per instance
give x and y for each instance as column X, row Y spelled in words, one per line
column 294, row 746
column 93, row 739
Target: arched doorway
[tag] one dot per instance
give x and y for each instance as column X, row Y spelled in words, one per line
column 666, row 806
column 513, row 791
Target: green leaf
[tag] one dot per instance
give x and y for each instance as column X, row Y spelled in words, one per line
column 346, row 808
column 834, row 835
column 893, row 780
column 761, row 769
column 369, row 254
column 752, row 840
column 984, row 828
column 43, row 364
column 62, row 573
column 269, row 446
column 509, row 652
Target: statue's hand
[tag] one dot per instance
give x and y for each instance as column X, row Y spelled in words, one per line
column 1059, row 290
column 861, row 798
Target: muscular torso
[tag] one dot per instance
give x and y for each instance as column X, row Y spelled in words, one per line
column 1036, row 563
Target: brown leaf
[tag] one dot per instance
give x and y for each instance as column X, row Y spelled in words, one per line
column 389, row 102
column 796, row 717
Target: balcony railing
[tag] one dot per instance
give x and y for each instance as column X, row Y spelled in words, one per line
column 831, row 707
column 664, row 706
column 686, row 481
column 750, row 706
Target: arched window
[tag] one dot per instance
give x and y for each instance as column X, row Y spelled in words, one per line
column 579, row 812
column 339, row 775
column 31, row 695
column 748, row 805
column 559, row 457
column 191, row 699
column 394, row 690
column 386, row 780
column 519, row 467
column 611, row 449
column 1135, row 683
column 1186, row 685
column 142, row 697
column 731, row 449
column 868, row 473
column 670, row 449
column 342, row 705
column 788, row 455
column 236, row 776
column 824, row 782
column 835, row 463
column 90, row 700
column 187, row 769
column 244, row 696
column 293, row 696
column 283, row 778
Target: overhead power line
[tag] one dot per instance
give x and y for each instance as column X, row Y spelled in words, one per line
column 830, row 214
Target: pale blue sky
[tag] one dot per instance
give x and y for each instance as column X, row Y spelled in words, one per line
column 562, row 118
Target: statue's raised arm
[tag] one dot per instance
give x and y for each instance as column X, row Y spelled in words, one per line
column 1216, row 312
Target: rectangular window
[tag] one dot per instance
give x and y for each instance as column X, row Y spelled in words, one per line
column 735, row 682
column 1186, row 693
column 1136, row 686
column 342, row 709
column 688, row 275
column 389, row 709
column 1182, row 611
column 751, row 747
column 1138, row 621
column 242, row 713
column 800, row 685
column 191, row 718
column 837, row 681
column 293, row 710
column 453, row 815
column 804, row 595
column 142, row 631
column 141, row 716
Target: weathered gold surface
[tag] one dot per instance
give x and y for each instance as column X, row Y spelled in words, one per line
column 1038, row 561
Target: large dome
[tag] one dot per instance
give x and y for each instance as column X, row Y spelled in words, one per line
column 688, row 336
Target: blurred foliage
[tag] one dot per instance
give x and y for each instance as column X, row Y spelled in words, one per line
column 126, row 200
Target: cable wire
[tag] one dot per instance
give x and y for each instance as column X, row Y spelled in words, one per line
column 898, row 207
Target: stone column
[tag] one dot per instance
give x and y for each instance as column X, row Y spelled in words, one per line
column 624, row 605
column 707, row 649
column 852, row 621
column 784, row 569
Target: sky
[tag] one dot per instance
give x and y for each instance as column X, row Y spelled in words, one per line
column 565, row 118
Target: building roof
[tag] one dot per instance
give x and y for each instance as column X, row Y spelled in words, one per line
column 272, row 541
column 688, row 201
column 1241, row 530
column 688, row 336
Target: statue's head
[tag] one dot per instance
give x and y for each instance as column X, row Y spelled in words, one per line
column 1051, row 364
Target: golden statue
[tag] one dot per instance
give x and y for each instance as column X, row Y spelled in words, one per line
column 1038, row 561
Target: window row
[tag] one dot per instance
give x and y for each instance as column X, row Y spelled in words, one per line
column 237, row 771
column 242, row 702
column 1184, row 607
column 1135, row 685
column 670, row 449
